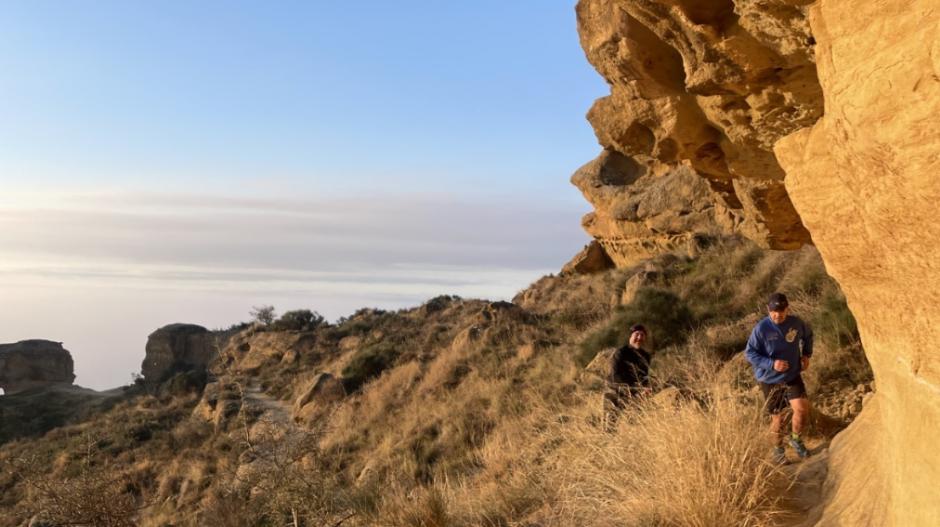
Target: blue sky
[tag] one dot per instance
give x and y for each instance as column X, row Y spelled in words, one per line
column 183, row 161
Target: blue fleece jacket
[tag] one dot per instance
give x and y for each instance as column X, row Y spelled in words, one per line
column 769, row 342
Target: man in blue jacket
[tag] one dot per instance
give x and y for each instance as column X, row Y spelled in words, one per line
column 779, row 349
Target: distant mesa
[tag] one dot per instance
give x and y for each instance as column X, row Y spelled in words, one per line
column 177, row 348
column 35, row 363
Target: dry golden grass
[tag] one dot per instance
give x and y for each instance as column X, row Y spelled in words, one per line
column 697, row 462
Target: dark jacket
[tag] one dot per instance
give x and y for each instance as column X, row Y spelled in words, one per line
column 769, row 342
column 630, row 366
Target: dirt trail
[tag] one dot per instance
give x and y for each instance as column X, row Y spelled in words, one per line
column 270, row 410
column 803, row 498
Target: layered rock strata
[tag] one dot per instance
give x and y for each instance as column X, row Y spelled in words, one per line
column 864, row 180
column 699, row 89
column 34, row 364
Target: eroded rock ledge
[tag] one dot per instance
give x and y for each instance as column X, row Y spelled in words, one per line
column 700, row 92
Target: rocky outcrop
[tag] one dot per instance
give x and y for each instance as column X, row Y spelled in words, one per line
column 34, row 364
column 323, row 390
column 177, row 348
column 640, row 214
column 700, row 92
column 251, row 350
column 592, row 259
column 864, row 180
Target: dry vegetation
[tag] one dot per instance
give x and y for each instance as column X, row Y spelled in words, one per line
column 463, row 413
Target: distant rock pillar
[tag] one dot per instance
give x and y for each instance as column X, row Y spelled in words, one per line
column 34, row 364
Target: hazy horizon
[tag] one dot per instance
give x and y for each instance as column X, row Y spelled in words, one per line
column 183, row 163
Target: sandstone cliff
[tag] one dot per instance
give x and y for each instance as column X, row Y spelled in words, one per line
column 700, row 92
column 34, row 364
column 864, row 180
column 730, row 92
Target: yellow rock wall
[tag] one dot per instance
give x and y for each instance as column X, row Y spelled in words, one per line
column 699, row 89
column 865, row 179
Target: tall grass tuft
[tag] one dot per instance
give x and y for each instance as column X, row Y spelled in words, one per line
column 692, row 458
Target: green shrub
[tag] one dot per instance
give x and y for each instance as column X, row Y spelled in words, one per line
column 299, row 320
column 665, row 315
column 832, row 321
column 438, row 303
column 368, row 362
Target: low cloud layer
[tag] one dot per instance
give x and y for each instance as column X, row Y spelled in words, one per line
column 96, row 270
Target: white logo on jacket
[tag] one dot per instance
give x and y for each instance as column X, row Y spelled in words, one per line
column 791, row 335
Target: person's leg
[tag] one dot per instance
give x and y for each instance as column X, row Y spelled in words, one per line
column 612, row 407
column 799, row 402
column 801, row 408
column 775, row 403
column 776, row 429
column 796, row 393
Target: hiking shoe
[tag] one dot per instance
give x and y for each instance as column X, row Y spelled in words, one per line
column 780, row 456
column 799, row 447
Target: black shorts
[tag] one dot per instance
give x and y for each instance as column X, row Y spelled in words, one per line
column 777, row 396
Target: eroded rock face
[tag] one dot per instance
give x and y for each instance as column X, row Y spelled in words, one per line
column 176, row 348
column 34, row 364
column 699, row 88
column 864, row 180
column 592, row 259
column 640, row 214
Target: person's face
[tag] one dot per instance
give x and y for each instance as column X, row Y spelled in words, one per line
column 637, row 338
column 779, row 316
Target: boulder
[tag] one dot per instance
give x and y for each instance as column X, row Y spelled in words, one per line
column 322, row 390
column 34, row 364
column 252, row 351
column 177, row 348
column 598, row 371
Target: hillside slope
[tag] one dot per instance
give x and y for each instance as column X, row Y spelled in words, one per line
column 458, row 412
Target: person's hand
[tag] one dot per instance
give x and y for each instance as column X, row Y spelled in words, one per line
column 804, row 363
column 781, row 365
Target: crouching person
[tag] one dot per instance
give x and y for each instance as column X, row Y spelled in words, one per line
column 629, row 375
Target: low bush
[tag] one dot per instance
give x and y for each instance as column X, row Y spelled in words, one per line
column 299, row 320
column 367, row 363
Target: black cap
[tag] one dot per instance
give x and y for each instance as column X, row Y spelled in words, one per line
column 777, row 302
column 638, row 327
